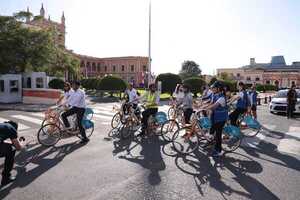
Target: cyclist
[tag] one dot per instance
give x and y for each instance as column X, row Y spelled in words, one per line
column 187, row 103
column 178, row 93
column 207, row 93
column 132, row 99
column 67, row 93
column 253, row 100
column 151, row 99
column 8, row 130
column 77, row 103
column 219, row 115
column 242, row 104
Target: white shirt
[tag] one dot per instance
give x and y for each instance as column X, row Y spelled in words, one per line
column 241, row 95
column 132, row 94
column 178, row 95
column 67, row 96
column 77, row 99
column 221, row 101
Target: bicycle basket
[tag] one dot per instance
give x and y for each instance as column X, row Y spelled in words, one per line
column 251, row 122
column 232, row 131
column 205, row 122
column 87, row 124
column 161, row 117
column 88, row 114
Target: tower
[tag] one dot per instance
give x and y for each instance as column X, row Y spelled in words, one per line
column 27, row 17
column 63, row 19
column 42, row 11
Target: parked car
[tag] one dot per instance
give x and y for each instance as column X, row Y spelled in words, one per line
column 279, row 102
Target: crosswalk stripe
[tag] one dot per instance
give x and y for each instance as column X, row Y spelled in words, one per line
column 29, row 119
column 104, row 112
column 102, row 117
column 21, row 126
column 42, row 115
column 103, row 108
column 294, row 129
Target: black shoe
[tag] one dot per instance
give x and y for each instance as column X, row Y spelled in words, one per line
column 7, row 180
column 84, row 140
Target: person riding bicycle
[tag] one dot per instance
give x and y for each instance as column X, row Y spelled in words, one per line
column 219, row 115
column 132, row 100
column 178, row 93
column 67, row 93
column 252, row 94
column 151, row 99
column 242, row 104
column 187, row 103
column 77, row 103
column 8, row 130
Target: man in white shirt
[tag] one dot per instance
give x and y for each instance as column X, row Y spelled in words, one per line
column 77, row 103
column 132, row 94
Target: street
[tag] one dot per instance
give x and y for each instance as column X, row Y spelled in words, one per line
column 264, row 167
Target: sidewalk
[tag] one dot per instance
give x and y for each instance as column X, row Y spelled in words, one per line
column 25, row 107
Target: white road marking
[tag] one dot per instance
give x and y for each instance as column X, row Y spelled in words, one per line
column 21, row 127
column 294, row 129
column 102, row 117
column 29, row 119
column 42, row 115
column 104, row 112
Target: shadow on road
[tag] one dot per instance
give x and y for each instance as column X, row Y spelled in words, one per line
column 47, row 158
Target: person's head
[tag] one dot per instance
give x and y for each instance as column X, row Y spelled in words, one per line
column 130, row 86
column 186, row 88
column 217, row 87
column 13, row 124
column 241, row 86
column 67, row 86
column 152, row 87
column 76, row 85
column 178, row 88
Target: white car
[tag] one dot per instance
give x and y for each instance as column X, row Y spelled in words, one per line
column 279, row 102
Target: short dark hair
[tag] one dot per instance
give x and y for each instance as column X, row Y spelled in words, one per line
column 241, row 84
column 77, row 83
column 13, row 124
column 186, row 86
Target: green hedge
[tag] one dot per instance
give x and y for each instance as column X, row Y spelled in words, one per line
column 266, row 87
column 90, row 83
column 56, row 84
column 112, row 83
column 196, row 84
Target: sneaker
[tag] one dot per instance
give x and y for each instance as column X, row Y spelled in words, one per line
column 7, row 180
column 216, row 153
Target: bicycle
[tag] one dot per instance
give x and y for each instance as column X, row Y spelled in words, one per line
column 50, row 133
column 187, row 139
column 131, row 122
column 118, row 118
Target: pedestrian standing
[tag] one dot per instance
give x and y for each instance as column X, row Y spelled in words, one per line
column 291, row 101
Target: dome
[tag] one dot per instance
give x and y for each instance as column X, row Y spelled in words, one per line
column 277, row 61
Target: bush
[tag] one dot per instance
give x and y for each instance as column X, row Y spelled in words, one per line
column 112, row 83
column 168, row 82
column 90, row 83
column 196, row 84
column 266, row 87
column 56, row 84
column 231, row 84
column 213, row 79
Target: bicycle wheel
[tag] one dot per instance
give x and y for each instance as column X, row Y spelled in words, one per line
column 168, row 129
column 171, row 112
column 89, row 131
column 185, row 141
column 116, row 120
column 126, row 131
column 250, row 132
column 49, row 135
column 230, row 143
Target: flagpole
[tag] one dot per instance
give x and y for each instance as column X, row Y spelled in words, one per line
column 149, row 46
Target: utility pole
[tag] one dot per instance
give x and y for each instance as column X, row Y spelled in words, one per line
column 149, row 46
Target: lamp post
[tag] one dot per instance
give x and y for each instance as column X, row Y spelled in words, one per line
column 149, row 46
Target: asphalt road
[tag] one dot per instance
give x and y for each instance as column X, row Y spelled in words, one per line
column 265, row 167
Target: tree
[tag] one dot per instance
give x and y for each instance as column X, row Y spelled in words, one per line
column 23, row 15
column 168, row 82
column 189, row 69
column 56, row 84
column 212, row 80
column 112, row 83
column 195, row 83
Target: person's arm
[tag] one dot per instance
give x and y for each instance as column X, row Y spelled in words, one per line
column 16, row 144
column 234, row 98
column 60, row 99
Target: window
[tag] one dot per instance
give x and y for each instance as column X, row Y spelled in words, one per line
column 1, row 85
column 144, row 68
column 14, row 86
column 132, row 68
column 39, row 82
column 82, row 64
column 257, row 79
column 248, row 78
column 267, row 82
column 123, row 68
column 114, row 68
column 238, row 74
column 94, row 67
column 105, row 68
column 28, row 82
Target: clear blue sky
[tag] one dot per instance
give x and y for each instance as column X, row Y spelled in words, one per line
column 214, row 33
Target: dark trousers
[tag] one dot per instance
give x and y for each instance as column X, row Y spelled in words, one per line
column 187, row 115
column 290, row 110
column 7, row 151
column 79, row 115
column 146, row 114
column 235, row 115
column 217, row 129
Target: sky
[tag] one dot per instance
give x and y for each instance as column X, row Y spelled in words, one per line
column 213, row 33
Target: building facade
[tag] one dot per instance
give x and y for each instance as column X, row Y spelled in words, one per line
column 277, row 72
column 134, row 69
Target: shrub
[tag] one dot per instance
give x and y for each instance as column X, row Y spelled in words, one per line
column 90, row 83
column 231, row 84
column 56, row 84
column 196, row 84
column 168, row 82
column 266, row 87
column 112, row 83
